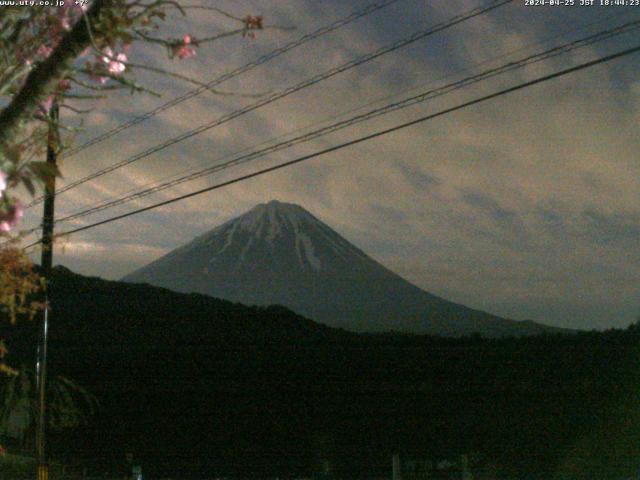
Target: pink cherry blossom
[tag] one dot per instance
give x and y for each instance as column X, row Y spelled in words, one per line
column 46, row 105
column 65, row 23
column 110, row 62
column 117, row 66
column 108, row 54
column 114, row 63
column 184, row 49
column 68, row 15
column 3, row 182
column 11, row 218
column 44, row 51
column 99, row 79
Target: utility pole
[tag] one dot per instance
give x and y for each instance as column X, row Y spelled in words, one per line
column 46, row 264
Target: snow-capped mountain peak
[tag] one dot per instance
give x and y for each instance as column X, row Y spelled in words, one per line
column 279, row 253
column 287, row 231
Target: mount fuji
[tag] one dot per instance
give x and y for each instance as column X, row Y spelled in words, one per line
column 279, row 253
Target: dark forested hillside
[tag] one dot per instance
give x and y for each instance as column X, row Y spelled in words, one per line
column 198, row 386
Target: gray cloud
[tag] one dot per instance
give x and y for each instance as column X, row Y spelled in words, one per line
column 526, row 206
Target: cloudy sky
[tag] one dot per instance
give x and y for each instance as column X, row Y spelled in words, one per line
column 526, row 206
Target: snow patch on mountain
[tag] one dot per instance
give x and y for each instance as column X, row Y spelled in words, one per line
column 278, row 253
column 275, row 228
column 245, row 249
column 229, row 241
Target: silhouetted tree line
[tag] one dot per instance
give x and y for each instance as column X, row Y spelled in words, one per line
column 196, row 386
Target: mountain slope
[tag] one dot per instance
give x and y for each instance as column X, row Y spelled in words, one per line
column 278, row 253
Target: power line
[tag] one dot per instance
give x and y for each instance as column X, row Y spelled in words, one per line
column 371, row 136
column 600, row 36
column 290, row 90
column 223, row 78
column 234, row 73
column 176, row 176
column 404, row 103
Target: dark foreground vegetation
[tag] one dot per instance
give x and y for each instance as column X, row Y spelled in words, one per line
column 195, row 386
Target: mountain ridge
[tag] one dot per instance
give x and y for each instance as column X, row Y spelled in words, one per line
column 220, row 381
column 279, row 253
